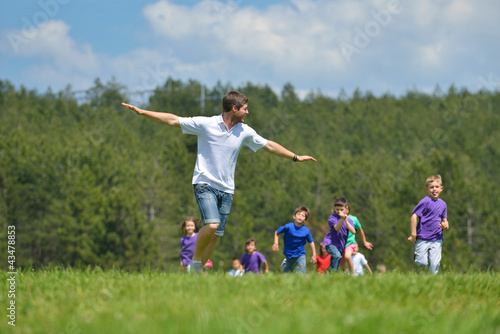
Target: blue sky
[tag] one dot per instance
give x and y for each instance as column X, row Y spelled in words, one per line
column 375, row 45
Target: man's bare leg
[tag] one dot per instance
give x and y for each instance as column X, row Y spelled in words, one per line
column 209, row 249
column 203, row 240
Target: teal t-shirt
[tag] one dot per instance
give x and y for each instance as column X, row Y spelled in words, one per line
column 351, row 238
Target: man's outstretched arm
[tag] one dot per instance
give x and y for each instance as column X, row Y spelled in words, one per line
column 161, row 117
column 277, row 149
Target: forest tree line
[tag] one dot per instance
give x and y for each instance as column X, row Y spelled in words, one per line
column 94, row 184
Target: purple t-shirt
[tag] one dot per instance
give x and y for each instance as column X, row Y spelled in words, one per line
column 252, row 262
column 337, row 238
column 431, row 212
column 188, row 245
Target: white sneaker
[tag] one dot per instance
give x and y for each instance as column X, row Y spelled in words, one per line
column 195, row 267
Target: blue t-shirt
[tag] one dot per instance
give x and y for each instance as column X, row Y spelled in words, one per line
column 295, row 239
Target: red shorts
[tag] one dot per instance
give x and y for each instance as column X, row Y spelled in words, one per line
column 352, row 247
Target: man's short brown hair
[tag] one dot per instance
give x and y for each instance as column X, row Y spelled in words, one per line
column 233, row 98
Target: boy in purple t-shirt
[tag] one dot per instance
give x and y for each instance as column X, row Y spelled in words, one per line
column 340, row 226
column 252, row 259
column 428, row 220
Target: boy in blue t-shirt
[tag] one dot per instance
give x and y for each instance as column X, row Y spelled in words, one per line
column 295, row 236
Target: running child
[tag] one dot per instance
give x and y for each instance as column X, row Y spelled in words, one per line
column 188, row 242
column 429, row 219
column 295, row 236
column 335, row 240
column 252, row 259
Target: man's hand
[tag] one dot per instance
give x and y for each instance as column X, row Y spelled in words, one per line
column 276, row 247
column 302, row 158
column 138, row 111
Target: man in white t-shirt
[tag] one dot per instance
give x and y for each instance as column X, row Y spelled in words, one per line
column 220, row 139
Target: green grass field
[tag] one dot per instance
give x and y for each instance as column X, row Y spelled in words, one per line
column 93, row 301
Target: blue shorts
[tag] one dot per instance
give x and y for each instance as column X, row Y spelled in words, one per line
column 214, row 205
column 290, row 263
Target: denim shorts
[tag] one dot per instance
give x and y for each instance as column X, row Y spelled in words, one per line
column 289, row 264
column 214, row 205
column 336, row 256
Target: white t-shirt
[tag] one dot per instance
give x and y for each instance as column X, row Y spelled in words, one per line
column 218, row 149
column 359, row 261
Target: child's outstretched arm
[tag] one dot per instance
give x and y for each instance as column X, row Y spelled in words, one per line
column 313, row 257
column 367, row 266
column 414, row 220
column 266, row 270
column 444, row 224
column 349, row 226
column 276, row 245
column 367, row 244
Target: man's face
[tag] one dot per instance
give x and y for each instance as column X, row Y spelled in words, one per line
column 241, row 113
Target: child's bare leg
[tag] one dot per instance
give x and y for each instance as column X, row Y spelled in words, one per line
column 350, row 265
column 348, row 260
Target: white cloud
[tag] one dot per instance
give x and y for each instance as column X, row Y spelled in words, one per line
column 394, row 42
column 285, row 38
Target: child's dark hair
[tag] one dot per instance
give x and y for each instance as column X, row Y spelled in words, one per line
column 302, row 209
column 348, row 206
column 190, row 219
column 249, row 241
column 340, row 201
